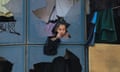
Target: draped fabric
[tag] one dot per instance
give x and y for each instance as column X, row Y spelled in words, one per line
column 67, row 63
column 44, row 13
column 4, row 11
column 2, row 6
column 14, row 6
column 106, row 25
column 53, row 8
column 105, row 29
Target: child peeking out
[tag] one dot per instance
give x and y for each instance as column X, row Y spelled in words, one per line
column 59, row 31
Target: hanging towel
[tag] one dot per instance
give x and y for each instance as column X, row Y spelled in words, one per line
column 105, row 29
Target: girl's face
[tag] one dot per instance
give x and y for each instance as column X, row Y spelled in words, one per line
column 61, row 29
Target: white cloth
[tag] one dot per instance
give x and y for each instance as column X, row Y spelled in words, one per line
column 3, row 9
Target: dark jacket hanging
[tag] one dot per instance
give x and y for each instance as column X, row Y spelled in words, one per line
column 68, row 63
column 105, row 29
column 73, row 62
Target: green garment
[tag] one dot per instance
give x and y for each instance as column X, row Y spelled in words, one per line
column 105, row 27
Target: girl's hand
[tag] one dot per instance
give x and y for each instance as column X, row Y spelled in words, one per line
column 58, row 36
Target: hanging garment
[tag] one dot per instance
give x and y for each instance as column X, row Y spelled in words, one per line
column 105, row 28
column 73, row 62
column 68, row 63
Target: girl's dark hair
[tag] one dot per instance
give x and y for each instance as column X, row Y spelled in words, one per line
column 60, row 21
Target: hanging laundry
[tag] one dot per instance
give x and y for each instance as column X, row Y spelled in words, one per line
column 67, row 63
column 105, row 27
column 105, row 30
